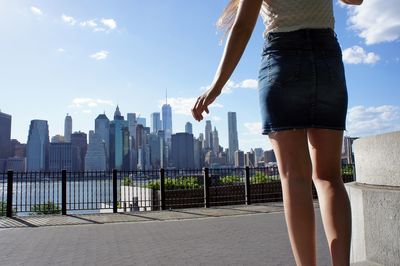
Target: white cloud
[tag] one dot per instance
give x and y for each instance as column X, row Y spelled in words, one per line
column 68, row 19
column 101, row 55
column 89, row 23
column 376, row 21
column 231, row 85
column 252, row 128
column 363, row 120
column 110, row 23
column 357, row 55
column 36, row 11
column 61, row 50
column 216, row 118
column 88, row 102
column 184, row 106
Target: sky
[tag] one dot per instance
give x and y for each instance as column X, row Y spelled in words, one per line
column 85, row 57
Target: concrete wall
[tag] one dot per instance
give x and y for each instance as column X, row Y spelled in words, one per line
column 375, row 200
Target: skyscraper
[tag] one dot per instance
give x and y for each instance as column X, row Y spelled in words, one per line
column 79, row 139
column 167, row 121
column 119, row 142
column 64, row 156
column 141, row 121
column 5, row 135
column 232, row 136
column 37, row 149
column 67, row 128
column 183, row 151
column 215, row 141
column 95, row 159
column 188, row 128
column 102, row 128
column 208, row 137
column 155, row 122
column 239, row 158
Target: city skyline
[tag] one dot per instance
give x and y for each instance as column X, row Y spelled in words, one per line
column 134, row 50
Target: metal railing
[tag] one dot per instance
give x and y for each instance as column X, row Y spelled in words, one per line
column 27, row 193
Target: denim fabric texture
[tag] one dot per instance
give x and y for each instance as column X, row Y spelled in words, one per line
column 301, row 82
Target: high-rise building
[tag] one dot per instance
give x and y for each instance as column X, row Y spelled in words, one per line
column 347, row 150
column 259, row 154
column 37, row 148
column 249, row 159
column 232, row 136
column 16, row 164
column 79, row 139
column 67, row 128
column 155, row 122
column 167, row 121
column 119, row 142
column 5, row 135
column 58, row 139
column 141, row 121
column 95, row 159
column 208, row 137
column 18, row 149
column 188, row 128
column 155, row 150
column 215, row 141
column 161, row 136
column 269, row 157
column 182, row 151
column 102, row 128
column 239, row 158
column 64, row 156
column 132, row 124
column 198, row 161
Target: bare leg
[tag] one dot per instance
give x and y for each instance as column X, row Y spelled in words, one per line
column 325, row 149
column 291, row 151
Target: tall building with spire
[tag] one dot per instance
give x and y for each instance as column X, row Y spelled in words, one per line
column 167, row 120
column 37, row 148
column 232, row 137
column 119, row 142
column 67, row 128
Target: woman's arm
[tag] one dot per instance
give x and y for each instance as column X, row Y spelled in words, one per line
column 352, row 2
column 246, row 18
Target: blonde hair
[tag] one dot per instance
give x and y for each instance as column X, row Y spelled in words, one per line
column 225, row 21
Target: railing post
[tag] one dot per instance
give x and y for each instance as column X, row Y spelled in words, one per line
column 162, row 189
column 9, row 193
column 247, row 186
column 206, row 188
column 114, row 184
column 64, row 192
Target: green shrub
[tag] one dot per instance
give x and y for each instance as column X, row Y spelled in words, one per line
column 126, row 181
column 176, row 183
column 46, row 208
column 260, row 178
column 230, row 179
column 347, row 170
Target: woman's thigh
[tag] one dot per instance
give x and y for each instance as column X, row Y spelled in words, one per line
column 325, row 147
column 291, row 151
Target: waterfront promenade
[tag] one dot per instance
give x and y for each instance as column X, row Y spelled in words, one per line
column 232, row 235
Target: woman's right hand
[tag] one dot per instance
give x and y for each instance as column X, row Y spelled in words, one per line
column 203, row 102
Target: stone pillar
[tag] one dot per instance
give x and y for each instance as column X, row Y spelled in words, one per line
column 375, row 200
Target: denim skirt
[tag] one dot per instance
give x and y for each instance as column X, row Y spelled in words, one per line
column 301, row 82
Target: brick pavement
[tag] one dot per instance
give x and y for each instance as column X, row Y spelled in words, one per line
column 253, row 235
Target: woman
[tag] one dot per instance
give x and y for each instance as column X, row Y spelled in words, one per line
column 303, row 102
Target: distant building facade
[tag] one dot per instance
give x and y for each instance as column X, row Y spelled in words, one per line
column 96, row 155
column 37, row 149
column 232, row 136
column 183, row 151
column 155, row 122
column 64, row 156
column 79, row 139
column 5, row 135
column 67, row 128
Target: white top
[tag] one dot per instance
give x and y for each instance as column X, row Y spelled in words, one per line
column 290, row 15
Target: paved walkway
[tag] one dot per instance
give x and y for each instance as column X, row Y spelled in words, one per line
column 234, row 235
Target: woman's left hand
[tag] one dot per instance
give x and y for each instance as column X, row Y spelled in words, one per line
column 203, row 102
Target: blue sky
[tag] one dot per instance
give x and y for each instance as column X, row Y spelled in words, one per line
column 85, row 57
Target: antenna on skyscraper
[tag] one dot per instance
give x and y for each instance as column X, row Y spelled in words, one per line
column 166, row 96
